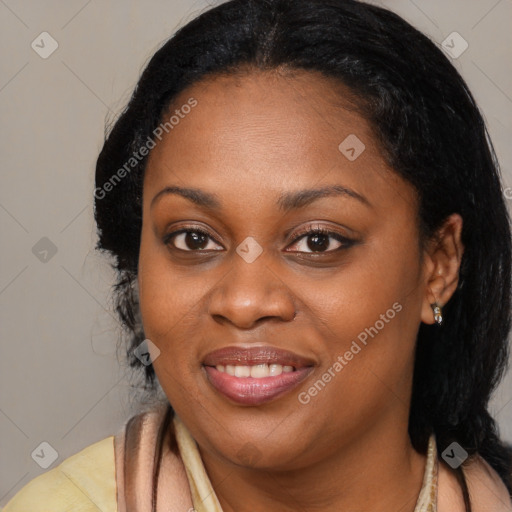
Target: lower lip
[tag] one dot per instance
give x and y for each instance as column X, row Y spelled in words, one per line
column 251, row 391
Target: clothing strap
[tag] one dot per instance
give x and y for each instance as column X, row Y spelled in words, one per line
column 136, row 454
column 427, row 499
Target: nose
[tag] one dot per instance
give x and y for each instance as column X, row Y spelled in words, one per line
column 249, row 294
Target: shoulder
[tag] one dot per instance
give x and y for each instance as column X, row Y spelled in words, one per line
column 487, row 491
column 83, row 482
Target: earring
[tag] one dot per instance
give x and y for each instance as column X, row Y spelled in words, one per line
column 438, row 314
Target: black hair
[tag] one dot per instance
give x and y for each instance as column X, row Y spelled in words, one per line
column 432, row 135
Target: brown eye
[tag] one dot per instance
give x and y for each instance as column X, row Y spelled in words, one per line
column 192, row 240
column 320, row 240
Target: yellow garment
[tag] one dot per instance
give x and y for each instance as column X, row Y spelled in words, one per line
column 84, row 482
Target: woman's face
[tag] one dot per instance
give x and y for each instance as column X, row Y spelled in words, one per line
column 255, row 164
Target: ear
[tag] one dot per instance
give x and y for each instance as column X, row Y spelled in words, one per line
column 442, row 264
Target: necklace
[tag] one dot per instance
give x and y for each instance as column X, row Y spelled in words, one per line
column 204, row 498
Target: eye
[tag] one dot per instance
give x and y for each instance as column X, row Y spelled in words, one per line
column 311, row 240
column 320, row 240
column 192, row 240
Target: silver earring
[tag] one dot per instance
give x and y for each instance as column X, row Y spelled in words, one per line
column 438, row 314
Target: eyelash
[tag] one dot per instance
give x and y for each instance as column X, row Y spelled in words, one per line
column 318, row 230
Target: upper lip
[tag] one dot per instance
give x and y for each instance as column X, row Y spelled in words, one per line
column 249, row 356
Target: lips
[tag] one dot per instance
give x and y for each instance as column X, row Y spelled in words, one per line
column 255, row 375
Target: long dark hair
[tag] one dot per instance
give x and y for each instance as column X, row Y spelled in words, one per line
column 431, row 133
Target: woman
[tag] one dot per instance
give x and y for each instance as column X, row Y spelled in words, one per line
column 314, row 251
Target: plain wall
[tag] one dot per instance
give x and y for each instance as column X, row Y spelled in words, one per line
column 60, row 379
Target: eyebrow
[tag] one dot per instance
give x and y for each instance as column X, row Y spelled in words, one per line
column 286, row 201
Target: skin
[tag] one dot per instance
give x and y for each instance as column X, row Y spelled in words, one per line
column 251, row 138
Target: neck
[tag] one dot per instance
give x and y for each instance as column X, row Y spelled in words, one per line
column 377, row 471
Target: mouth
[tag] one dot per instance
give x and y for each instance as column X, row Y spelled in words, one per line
column 256, row 375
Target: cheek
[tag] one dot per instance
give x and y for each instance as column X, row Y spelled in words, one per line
column 375, row 310
column 168, row 299
column 169, row 305
column 373, row 279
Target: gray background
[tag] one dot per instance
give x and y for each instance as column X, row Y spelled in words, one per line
column 60, row 379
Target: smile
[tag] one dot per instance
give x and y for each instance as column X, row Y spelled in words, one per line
column 256, row 375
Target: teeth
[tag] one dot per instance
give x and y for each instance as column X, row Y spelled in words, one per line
column 242, row 371
column 256, row 371
column 259, row 371
column 275, row 369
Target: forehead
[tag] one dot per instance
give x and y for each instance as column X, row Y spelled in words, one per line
column 270, row 130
